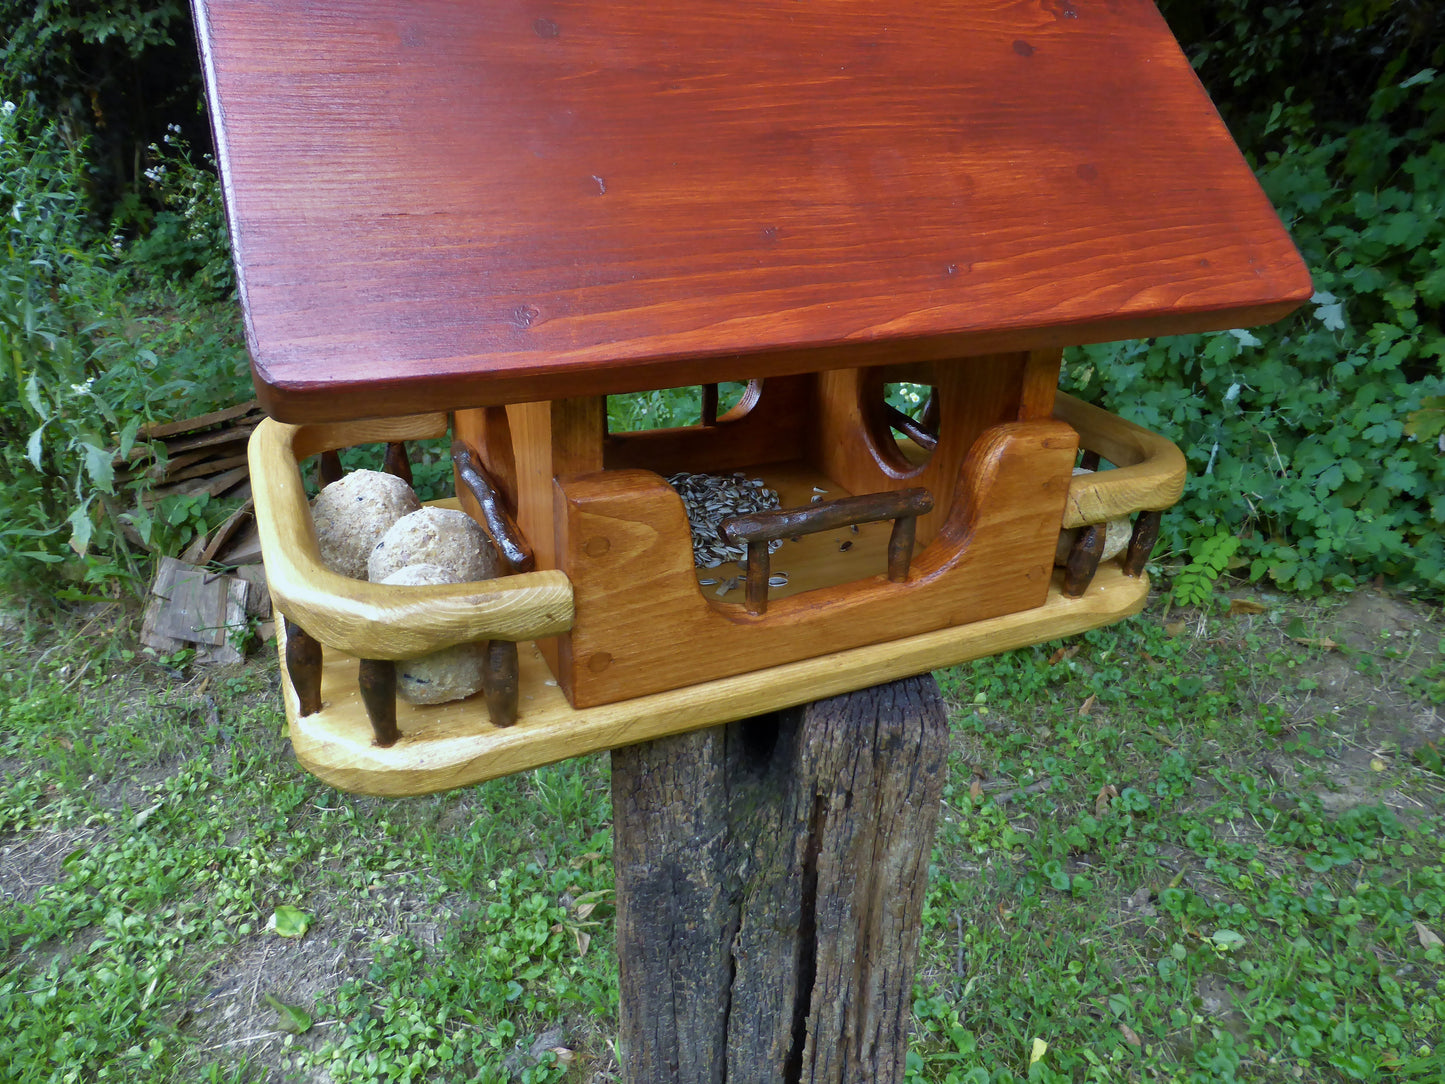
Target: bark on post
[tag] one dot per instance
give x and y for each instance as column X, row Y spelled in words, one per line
column 770, row 882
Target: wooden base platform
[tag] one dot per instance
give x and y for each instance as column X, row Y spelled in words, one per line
column 453, row 745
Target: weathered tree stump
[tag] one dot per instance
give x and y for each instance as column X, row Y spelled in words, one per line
column 770, row 883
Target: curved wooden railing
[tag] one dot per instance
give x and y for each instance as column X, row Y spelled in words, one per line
column 373, row 621
column 1149, row 469
column 1148, row 477
column 382, row 623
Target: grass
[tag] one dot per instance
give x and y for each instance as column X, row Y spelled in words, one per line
column 1207, row 851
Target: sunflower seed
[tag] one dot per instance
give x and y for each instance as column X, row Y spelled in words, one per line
column 778, row 579
column 709, row 499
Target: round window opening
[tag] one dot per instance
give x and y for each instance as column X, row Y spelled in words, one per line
column 911, row 414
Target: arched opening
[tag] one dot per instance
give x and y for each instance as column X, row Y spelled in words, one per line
column 676, row 408
column 910, row 412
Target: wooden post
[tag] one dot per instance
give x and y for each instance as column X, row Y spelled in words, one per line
column 1141, row 542
column 770, row 883
column 328, row 469
column 502, row 681
column 1083, row 560
column 303, row 663
column 376, row 679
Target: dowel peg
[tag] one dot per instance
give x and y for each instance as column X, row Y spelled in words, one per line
column 1083, row 559
column 303, row 663
column 1141, row 542
column 900, row 547
column 377, row 681
column 501, row 679
column 759, row 570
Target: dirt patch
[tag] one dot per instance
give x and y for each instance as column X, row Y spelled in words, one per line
column 135, row 788
column 231, row 1012
column 233, row 1016
column 1374, row 621
column 1362, row 660
column 31, row 861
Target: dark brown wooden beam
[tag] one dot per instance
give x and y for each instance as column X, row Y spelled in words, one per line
column 771, row 875
column 1083, row 559
column 377, row 681
column 303, row 663
column 1141, row 542
column 396, row 462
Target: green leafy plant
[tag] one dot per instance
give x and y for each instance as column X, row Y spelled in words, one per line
column 1194, row 583
column 1310, row 439
column 666, row 408
column 93, row 345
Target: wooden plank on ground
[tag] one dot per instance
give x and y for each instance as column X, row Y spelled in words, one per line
column 233, row 626
column 205, row 467
column 193, row 603
column 244, row 549
column 258, row 594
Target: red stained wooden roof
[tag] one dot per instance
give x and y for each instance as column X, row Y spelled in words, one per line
column 443, row 203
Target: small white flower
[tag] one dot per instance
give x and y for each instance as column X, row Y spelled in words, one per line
column 82, row 389
column 8, row 108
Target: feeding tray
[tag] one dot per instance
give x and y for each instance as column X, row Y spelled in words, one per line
column 479, row 220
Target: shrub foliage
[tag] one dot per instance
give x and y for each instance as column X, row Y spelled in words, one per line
column 1317, row 442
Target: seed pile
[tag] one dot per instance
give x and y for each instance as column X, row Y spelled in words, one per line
column 712, row 498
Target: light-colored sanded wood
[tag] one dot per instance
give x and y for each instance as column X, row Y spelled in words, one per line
column 551, row 439
column 372, row 620
column 548, row 440
column 313, row 438
column 1149, row 470
column 769, row 425
column 453, row 745
column 643, row 626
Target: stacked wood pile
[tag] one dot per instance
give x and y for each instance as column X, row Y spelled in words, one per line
column 205, row 454
column 191, row 605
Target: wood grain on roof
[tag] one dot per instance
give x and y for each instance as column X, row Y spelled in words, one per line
column 438, row 204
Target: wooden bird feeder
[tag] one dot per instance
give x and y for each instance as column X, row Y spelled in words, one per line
column 476, row 221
